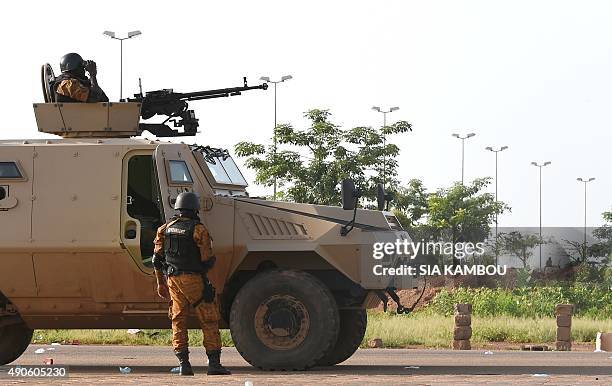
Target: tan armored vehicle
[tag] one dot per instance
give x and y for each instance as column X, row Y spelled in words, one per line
column 78, row 216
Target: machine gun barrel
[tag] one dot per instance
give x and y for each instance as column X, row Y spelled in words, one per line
column 220, row 93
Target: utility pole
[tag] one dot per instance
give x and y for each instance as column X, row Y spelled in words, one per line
column 282, row 79
column 470, row 135
column 384, row 113
column 585, row 181
column 489, row 148
column 540, row 166
column 111, row 35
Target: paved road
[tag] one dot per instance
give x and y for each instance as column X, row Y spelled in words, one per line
column 151, row 365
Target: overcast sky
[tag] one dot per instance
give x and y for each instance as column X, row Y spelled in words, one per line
column 533, row 75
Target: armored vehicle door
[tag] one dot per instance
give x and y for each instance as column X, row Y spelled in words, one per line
column 177, row 173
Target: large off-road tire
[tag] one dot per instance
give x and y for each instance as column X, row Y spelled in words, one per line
column 353, row 324
column 14, row 340
column 284, row 320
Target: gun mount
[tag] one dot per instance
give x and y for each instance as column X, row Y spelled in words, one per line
column 174, row 106
column 122, row 119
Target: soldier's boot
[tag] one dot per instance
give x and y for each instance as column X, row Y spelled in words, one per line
column 214, row 364
column 183, row 357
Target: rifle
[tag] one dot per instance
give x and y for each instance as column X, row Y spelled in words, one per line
column 175, row 107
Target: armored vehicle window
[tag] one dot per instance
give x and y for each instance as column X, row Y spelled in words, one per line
column 9, row 170
column 179, row 174
column 232, row 170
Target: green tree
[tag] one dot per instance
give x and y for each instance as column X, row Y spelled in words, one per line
column 463, row 213
column 310, row 164
column 519, row 245
column 603, row 234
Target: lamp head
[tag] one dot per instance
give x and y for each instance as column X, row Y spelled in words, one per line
column 489, row 148
column 110, row 34
column 393, row 109
column 265, row 78
column 133, row 33
column 455, row 135
column 286, row 77
column 376, row 108
column 503, row 148
column 470, row 135
column 547, row 163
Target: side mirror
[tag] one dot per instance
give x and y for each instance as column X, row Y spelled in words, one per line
column 380, row 197
column 349, row 193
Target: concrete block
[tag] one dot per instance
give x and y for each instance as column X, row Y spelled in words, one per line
column 564, row 309
column 463, row 320
column 564, row 320
column 564, row 334
column 463, row 309
column 606, row 341
column 563, row 346
column 375, row 343
column 461, row 345
column 462, row 333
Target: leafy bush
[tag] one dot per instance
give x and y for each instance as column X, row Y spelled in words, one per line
column 590, row 300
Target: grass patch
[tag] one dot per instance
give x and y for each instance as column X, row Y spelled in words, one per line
column 396, row 331
column 436, row 331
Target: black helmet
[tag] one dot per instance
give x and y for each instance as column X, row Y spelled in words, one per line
column 71, row 62
column 187, row 201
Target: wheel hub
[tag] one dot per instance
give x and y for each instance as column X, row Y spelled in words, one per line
column 282, row 322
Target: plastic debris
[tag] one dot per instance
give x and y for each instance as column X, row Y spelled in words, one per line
column 539, row 375
column 175, row 370
column 598, row 342
column 412, row 367
column 48, row 361
column 125, row 370
column 248, row 383
column 39, row 337
column 134, row 331
column 51, row 349
column 488, row 353
column 56, row 344
column 39, row 351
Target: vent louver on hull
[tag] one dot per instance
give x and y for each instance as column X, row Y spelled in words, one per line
column 265, row 227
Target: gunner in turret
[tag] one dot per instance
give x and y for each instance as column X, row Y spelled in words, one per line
column 73, row 85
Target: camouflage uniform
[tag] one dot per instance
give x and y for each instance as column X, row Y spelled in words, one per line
column 72, row 88
column 186, row 289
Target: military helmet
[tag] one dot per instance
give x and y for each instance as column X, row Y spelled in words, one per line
column 187, row 201
column 71, row 62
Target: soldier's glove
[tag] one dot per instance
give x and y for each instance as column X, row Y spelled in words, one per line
column 159, row 262
column 91, row 68
column 208, row 264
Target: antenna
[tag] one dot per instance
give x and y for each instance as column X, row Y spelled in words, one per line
column 140, row 85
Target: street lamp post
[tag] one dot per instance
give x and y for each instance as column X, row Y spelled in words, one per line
column 540, row 166
column 130, row 35
column 585, row 181
column 463, row 152
column 282, row 79
column 489, row 148
column 384, row 113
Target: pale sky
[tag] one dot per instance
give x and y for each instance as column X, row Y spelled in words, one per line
column 533, row 75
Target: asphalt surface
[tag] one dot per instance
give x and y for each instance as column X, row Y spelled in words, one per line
column 153, row 364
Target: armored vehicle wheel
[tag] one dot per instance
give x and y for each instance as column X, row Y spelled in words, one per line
column 353, row 325
column 14, row 340
column 284, row 320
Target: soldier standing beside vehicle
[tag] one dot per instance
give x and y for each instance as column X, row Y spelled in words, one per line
column 73, row 86
column 183, row 253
